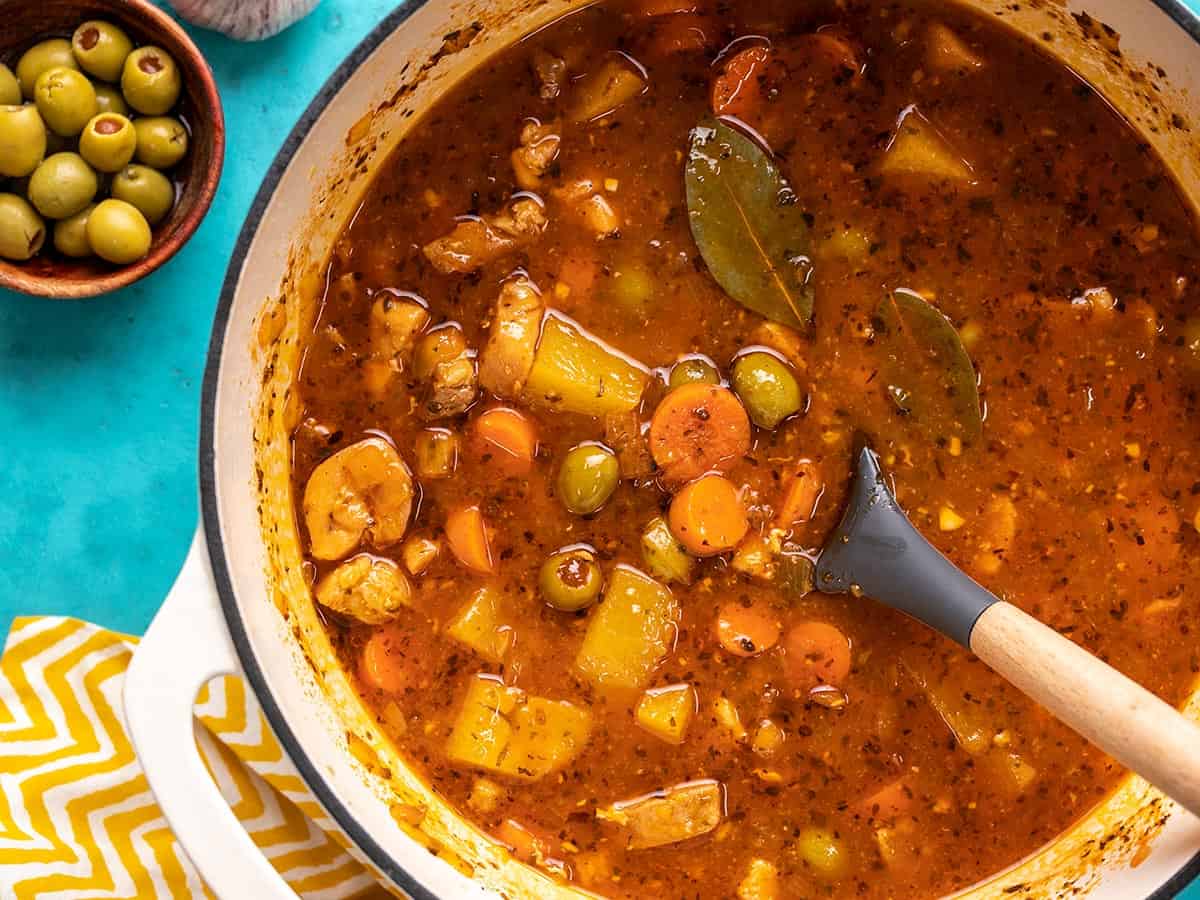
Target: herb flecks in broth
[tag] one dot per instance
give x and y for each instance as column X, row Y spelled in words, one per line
column 596, row 634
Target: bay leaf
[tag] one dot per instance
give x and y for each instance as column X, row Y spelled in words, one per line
column 747, row 223
column 927, row 371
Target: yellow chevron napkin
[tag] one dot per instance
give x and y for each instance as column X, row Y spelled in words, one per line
column 77, row 819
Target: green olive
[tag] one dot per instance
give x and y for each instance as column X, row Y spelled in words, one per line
column 22, row 140
column 108, row 142
column 632, row 287
column 109, row 100
column 161, row 141
column 101, row 48
column 147, row 189
column 438, row 346
column 10, row 91
column 692, row 369
column 70, row 234
column 118, row 233
column 821, row 849
column 62, row 185
column 767, row 387
column 588, row 476
column 22, row 230
column 570, row 580
column 52, row 54
column 150, row 81
column 66, row 100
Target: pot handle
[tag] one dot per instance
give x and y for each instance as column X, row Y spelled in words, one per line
column 186, row 645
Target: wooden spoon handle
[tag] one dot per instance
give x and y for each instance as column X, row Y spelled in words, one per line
column 1113, row 712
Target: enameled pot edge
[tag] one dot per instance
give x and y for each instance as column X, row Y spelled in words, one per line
column 1188, row 21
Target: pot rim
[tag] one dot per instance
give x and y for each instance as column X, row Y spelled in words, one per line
column 1185, row 18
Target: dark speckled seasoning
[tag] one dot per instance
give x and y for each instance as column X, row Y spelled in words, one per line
column 1067, row 262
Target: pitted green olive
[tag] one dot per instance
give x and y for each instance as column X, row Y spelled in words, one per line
column 150, row 81
column 588, row 476
column 22, row 140
column 22, row 230
column 570, row 580
column 118, row 233
column 66, row 100
column 766, row 386
column 101, row 49
column 62, row 185
column 161, row 141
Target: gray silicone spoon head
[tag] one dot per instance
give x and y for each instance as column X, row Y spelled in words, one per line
column 876, row 551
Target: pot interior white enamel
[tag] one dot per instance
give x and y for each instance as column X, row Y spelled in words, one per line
column 312, row 190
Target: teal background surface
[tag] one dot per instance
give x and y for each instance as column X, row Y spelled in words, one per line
column 99, row 399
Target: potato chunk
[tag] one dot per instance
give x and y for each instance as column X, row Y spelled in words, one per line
column 363, row 492
column 666, row 712
column 919, row 149
column 575, row 371
column 947, row 52
column 504, row 730
column 761, row 882
column 367, row 588
column 630, row 632
column 600, row 92
column 685, row 811
column 512, row 341
column 480, row 625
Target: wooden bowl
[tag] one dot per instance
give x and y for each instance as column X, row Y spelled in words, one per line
column 49, row 274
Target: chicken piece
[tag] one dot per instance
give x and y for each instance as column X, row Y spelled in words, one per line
column 551, row 73
column 367, row 588
column 508, row 356
column 538, row 149
column 666, row 817
column 598, row 214
column 523, row 219
column 363, row 492
column 453, row 387
column 396, row 322
column 476, row 242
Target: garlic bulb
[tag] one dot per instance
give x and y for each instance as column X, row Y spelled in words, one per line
column 244, row 20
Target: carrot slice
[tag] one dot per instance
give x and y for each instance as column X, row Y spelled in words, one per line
column 698, row 428
column 467, row 536
column 746, row 630
column 816, row 653
column 736, row 91
column 708, row 517
column 800, row 499
column 506, row 439
column 379, row 667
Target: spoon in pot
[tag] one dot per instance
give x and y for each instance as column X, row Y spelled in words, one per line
column 876, row 551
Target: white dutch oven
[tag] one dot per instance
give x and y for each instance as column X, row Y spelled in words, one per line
column 241, row 604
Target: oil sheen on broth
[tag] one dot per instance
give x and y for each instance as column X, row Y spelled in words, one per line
column 523, row 279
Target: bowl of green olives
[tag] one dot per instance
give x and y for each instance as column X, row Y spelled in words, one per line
column 111, row 144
